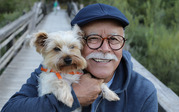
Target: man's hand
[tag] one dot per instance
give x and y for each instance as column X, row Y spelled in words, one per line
column 87, row 90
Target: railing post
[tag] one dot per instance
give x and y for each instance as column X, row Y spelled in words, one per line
column 72, row 9
column 33, row 19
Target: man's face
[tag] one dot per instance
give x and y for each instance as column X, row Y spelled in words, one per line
column 103, row 69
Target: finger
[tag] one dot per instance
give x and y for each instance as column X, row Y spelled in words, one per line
column 93, row 98
column 96, row 96
column 88, row 75
column 101, row 81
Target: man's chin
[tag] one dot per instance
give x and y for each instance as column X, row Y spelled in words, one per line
column 102, row 75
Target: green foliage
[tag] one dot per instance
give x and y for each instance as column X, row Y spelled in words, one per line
column 12, row 9
column 7, row 6
column 162, row 56
column 8, row 17
column 153, row 35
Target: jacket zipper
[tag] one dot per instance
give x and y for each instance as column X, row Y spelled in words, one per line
column 98, row 104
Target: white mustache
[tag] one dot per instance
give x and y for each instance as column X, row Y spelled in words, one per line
column 101, row 55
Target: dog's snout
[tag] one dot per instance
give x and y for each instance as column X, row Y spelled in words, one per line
column 68, row 60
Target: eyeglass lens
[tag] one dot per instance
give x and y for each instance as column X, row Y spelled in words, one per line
column 116, row 42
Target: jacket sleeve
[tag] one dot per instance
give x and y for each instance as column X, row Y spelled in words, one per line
column 27, row 99
column 151, row 103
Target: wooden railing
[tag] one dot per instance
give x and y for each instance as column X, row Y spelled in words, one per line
column 12, row 35
column 73, row 8
column 167, row 99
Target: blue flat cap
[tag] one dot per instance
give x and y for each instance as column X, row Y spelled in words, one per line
column 99, row 11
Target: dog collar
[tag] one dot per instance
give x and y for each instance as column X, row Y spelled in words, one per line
column 58, row 74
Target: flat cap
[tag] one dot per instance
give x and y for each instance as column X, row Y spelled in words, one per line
column 99, row 11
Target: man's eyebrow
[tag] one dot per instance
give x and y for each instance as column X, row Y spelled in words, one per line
column 113, row 33
column 92, row 33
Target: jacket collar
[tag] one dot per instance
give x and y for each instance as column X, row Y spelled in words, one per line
column 123, row 74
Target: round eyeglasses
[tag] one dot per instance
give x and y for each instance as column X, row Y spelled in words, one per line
column 95, row 41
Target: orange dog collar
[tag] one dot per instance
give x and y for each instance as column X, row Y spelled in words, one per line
column 58, row 74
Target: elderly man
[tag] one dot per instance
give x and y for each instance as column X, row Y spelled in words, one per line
column 103, row 26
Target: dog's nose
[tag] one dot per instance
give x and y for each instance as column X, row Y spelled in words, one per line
column 68, row 60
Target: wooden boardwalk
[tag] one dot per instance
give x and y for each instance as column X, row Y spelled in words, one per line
column 25, row 62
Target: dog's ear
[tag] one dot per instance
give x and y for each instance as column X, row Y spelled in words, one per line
column 40, row 41
column 78, row 31
column 80, row 34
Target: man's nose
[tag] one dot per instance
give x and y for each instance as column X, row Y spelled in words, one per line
column 105, row 46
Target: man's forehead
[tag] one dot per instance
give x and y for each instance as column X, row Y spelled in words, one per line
column 103, row 26
column 102, row 30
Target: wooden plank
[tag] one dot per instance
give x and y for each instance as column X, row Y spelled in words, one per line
column 17, row 73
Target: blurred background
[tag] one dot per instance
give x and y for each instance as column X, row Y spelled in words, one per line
column 152, row 36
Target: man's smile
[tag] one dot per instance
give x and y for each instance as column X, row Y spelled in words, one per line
column 101, row 60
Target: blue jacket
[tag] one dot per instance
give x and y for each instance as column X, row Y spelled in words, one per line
column 137, row 94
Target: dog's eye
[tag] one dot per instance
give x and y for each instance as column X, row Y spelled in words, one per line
column 57, row 49
column 72, row 47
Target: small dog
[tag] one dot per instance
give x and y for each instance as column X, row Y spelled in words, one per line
column 63, row 64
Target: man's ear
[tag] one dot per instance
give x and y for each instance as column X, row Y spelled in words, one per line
column 40, row 41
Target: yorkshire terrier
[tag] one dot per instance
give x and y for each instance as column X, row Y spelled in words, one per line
column 63, row 64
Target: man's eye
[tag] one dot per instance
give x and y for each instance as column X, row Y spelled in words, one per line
column 117, row 39
column 57, row 49
column 113, row 38
column 94, row 39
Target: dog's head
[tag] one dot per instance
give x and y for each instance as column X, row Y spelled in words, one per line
column 61, row 50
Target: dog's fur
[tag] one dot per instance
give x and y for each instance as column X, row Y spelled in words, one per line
column 61, row 53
